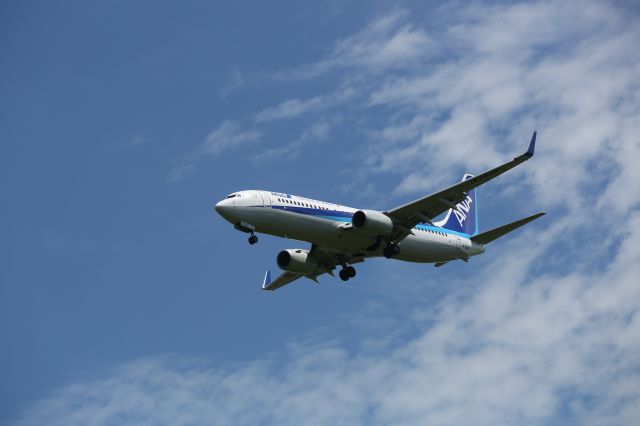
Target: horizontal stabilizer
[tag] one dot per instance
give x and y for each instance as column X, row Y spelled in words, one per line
column 487, row 237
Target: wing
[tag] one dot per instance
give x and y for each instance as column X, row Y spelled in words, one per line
column 284, row 279
column 327, row 260
column 425, row 209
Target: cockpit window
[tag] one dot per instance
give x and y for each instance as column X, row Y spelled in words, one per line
column 232, row 195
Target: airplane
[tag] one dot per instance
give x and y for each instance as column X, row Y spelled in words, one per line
column 344, row 236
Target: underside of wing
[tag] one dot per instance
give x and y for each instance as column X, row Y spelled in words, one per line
column 326, row 261
column 284, row 279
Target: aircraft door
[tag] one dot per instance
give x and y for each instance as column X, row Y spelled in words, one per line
column 267, row 212
column 266, row 199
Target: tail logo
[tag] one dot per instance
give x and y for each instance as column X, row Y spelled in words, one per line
column 463, row 208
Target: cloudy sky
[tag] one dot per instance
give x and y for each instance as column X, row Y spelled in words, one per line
column 125, row 299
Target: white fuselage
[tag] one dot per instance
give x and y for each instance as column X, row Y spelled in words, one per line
column 322, row 223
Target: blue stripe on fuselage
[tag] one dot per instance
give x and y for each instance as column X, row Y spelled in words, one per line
column 332, row 214
column 340, row 216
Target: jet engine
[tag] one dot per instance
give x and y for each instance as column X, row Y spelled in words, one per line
column 296, row 260
column 372, row 222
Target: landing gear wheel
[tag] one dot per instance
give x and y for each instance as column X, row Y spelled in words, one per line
column 351, row 271
column 253, row 239
column 344, row 274
column 391, row 250
column 387, row 253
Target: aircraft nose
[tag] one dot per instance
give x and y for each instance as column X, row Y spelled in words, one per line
column 223, row 208
column 220, row 206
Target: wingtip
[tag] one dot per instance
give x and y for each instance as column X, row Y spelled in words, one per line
column 267, row 280
column 532, row 145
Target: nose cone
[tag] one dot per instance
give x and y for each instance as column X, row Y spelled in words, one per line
column 224, row 208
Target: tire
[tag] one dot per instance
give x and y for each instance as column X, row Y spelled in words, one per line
column 352, row 271
column 387, row 253
column 344, row 275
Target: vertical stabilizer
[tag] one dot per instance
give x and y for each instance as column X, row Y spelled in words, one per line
column 464, row 218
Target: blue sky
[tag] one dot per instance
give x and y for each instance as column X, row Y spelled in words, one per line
column 125, row 299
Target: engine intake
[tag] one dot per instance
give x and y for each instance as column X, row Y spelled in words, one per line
column 296, row 260
column 372, row 222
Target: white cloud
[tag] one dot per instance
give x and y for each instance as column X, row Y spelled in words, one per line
column 295, row 107
column 547, row 349
column 548, row 331
column 236, row 80
column 569, row 70
column 387, row 43
column 316, row 132
column 229, row 135
column 180, row 172
column 291, row 108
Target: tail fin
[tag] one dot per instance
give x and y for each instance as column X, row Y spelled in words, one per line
column 465, row 218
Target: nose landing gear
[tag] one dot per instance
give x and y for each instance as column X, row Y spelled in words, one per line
column 249, row 229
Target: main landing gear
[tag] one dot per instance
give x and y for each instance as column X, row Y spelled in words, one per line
column 347, row 272
column 253, row 239
column 391, row 250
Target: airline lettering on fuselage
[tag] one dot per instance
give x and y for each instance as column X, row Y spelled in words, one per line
column 463, row 208
column 279, row 194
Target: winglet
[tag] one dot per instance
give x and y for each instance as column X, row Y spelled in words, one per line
column 267, row 280
column 532, row 145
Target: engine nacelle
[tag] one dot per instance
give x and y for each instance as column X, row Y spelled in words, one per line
column 372, row 222
column 296, row 260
